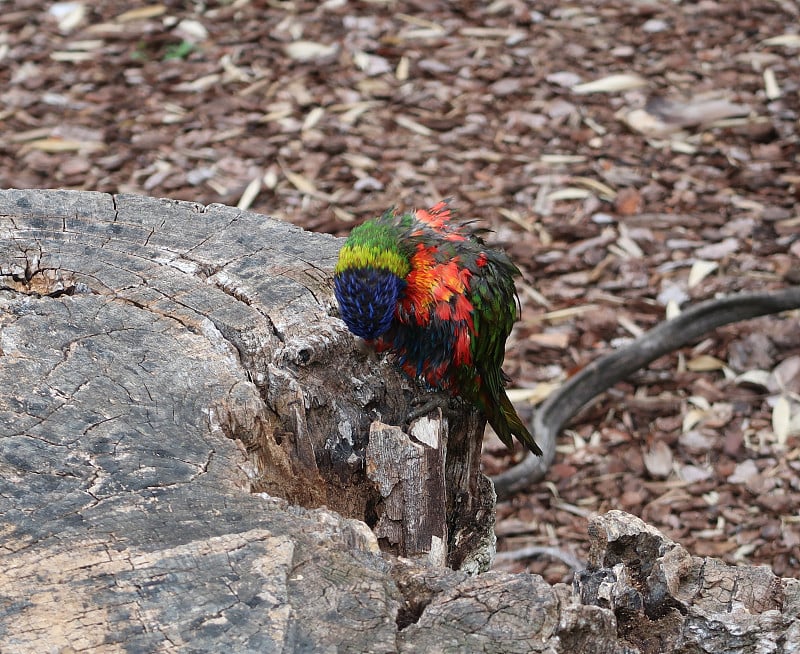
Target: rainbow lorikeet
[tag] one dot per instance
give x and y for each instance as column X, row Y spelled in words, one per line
column 429, row 291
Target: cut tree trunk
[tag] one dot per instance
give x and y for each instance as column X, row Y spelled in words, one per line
column 169, row 372
column 132, row 320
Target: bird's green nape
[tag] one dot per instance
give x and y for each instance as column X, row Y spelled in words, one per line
column 373, row 245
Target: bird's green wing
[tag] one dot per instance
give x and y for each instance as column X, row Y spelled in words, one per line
column 495, row 300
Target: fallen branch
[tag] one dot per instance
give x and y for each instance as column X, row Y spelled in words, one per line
column 606, row 371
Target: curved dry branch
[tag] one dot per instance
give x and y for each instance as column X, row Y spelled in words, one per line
column 606, row 371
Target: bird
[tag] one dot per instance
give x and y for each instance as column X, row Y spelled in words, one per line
column 427, row 289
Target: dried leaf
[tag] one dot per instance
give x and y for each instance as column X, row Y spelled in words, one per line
column 569, row 193
column 517, row 219
column 771, row 88
column 630, row 326
column 72, row 56
column 720, row 415
column 192, row 30
column 233, row 73
column 371, row 64
column 141, row 13
column 605, row 191
column 343, row 215
column 55, row 144
column 673, row 310
column 419, row 21
column 479, row 155
column 789, row 40
column 794, row 423
column 424, row 33
column 200, row 84
column 302, row 184
column 489, row 32
column 658, row 460
column 628, row 202
column 781, row 417
column 557, row 340
column 68, row 14
column 694, row 474
column 273, row 116
column 697, row 442
column 412, row 125
column 663, row 117
column 744, row 472
column 358, row 160
column 402, row 70
column 700, row 270
column 611, row 84
column 312, row 118
column 646, row 123
column 691, row 419
column 565, row 78
column 755, row 377
column 682, row 147
column 310, row 50
column 559, row 159
column 630, row 247
column 695, row 111
column 250, row 194
column 700, row 402
column 353, row 111
column 535, row 395
column 743, row 552
column 270, row 178
column 565, row 314
column 719, row 250
column 704, row 363
column 535, row 295
column 86, row 44
column 785, row 377
column 672, row 291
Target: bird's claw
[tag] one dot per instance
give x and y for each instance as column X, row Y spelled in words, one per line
column 425, row 405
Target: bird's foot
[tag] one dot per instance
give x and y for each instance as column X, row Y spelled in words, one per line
column 424, row 405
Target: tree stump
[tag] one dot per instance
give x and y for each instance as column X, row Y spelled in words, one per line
column 163, row 363
column 154, row 315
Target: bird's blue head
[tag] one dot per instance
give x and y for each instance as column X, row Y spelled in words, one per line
column 370, row 277
column 367, row 299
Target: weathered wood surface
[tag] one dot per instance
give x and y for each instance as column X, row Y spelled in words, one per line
column 141, row 316
column 161, row 360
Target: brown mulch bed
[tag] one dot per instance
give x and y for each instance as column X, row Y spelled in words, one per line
column 672, row 181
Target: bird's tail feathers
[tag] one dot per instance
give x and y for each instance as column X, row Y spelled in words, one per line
column 506, row 423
